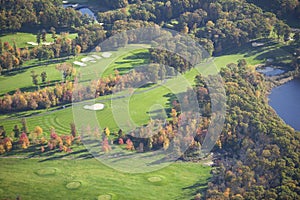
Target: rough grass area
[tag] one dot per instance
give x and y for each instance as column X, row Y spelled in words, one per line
column 89, row 179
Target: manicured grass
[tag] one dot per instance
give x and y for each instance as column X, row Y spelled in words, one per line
column 89, row 179
column 23, row 80
column 140, row 103
column 21, row 39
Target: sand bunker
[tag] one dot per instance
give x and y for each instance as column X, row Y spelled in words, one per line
column 95, row 56
column 36, row 44
column 79, row 63
column 106, row 54
column 257, row 44
column 86, row 59
column 97, row 106
column 32, row 43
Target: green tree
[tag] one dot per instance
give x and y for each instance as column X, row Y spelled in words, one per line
column 38, row 38
column 44, row 35
column 44, row 76
column 24, row 125
column 34, row 77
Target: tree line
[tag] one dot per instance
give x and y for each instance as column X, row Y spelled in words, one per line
column 89, row 36
column 217, row 25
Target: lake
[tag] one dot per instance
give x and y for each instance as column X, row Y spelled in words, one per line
column 83, row 10
column 285, row 101
column 270, row 71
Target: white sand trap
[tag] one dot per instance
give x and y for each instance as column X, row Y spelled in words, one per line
column 33, row 43
column 209, row 163
column 270, row 60
column 43, row 43
column 257, row 44
column 86, row 59
column 79, row 63
column 97, row 106
column 47, row 43
column 97, row 57
column 106, row 54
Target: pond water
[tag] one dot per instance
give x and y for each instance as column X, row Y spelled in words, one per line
column 270, row 71
column 285, row 101
column 84, row 10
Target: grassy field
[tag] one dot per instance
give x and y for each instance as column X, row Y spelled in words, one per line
column 89, row 179
column 21, row 39
column 54, row 177
column 140, row 103
column 126, row 59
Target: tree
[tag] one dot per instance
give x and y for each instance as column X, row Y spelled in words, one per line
column 38, row 38
column 73, row 129
column 16, row 131
column 105, row 145
column 38, row 130
column 1, row 47
column 44, row 76
column 34, row 78
column 129, row 145
column 24, row 125
column 53, row 32
column 97, row 48
column 77, row 50
column 107, row 131
column 66, row 69
column 24, row 141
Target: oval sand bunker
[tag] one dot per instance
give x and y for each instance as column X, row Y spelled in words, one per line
column 97, row 106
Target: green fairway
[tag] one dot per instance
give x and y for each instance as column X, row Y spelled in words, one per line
column 21, row 39
column 140, row 102
column 89, row 179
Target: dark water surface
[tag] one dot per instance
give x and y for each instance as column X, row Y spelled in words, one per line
column 270, row 71
column 83, row 10
column 285, row 100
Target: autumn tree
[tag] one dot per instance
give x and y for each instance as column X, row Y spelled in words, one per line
column 66, row 69
column 77, row 50
column 105, row 145
column 106, row 132
column 24, row 141
column 129, row 145
column 38, row 130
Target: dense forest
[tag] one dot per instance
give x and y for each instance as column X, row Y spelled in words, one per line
column 259, row 154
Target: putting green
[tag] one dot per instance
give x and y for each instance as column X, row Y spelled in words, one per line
column 105, row 197
column 46, row 171
column 157, row 180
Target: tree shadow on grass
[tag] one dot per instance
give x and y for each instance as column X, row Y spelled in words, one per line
column 45, row 63
column 199, row 187
column 51, row 153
